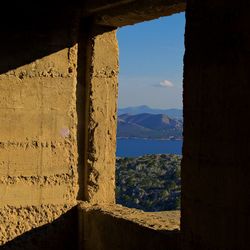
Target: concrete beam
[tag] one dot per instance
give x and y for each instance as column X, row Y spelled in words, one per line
column 137, row 11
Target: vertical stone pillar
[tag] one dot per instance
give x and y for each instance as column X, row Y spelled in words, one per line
column 103, row 90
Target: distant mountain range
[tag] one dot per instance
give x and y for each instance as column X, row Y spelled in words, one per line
column 172, row 113
column 150, row 126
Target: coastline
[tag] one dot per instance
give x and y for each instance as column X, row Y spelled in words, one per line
column 150, row 139
column 133, row 147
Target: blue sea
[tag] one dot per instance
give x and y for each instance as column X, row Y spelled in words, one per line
column 138, row 147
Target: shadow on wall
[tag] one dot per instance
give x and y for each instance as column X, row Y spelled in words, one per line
column 60, row 234
column 29, row 34
column 106, row 231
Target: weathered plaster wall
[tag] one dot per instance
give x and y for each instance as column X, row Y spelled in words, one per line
column 215, row 169
column 53, row 106
column 38, row 147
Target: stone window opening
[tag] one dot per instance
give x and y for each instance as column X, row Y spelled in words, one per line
column 148, row 150
column 100, row 136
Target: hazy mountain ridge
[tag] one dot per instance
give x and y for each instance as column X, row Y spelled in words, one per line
column 172, row 113
column 150, row 126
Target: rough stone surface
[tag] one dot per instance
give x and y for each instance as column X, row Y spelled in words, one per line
column 103, row 92
column 15, row 220
column 57, row 230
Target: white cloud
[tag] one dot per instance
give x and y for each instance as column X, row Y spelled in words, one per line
column 165, row 84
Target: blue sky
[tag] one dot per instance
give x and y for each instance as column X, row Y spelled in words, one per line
column 151, row 63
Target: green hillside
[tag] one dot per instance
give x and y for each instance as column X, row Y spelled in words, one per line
column 150, row 182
